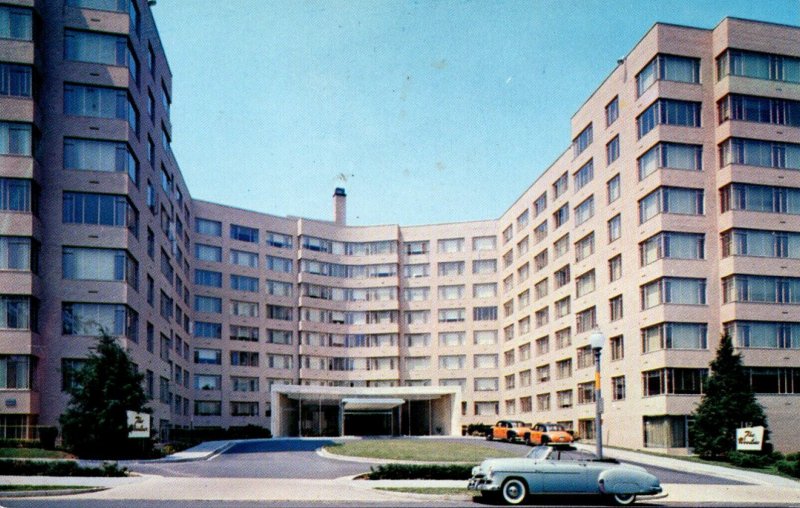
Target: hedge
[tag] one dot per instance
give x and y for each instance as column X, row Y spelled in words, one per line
column 421, row 472
column 13, row 467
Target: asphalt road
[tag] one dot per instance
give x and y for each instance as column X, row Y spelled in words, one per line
column 275, row 458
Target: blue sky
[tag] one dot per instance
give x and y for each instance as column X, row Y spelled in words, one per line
column 425, row 111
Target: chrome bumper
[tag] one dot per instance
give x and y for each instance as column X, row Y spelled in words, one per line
column 482, row 484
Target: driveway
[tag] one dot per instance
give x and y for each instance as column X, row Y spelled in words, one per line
column 297, row 458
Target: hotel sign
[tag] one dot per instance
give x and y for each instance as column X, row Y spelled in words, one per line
column 750, row 438
column 138, row 425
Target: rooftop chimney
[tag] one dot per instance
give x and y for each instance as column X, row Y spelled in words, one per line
column 340, row 206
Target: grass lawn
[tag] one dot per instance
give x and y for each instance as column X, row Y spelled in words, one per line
column 436, row 491
column 424, row 450
column 33, row 453
column 33, row 488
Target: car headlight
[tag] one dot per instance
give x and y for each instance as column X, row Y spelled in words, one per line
column 476, row 470
column 489, row 472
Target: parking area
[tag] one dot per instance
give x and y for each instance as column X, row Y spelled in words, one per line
column 297, row 458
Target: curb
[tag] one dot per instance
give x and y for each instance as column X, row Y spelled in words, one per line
column 48, row 493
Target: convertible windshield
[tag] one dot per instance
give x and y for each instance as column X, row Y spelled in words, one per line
column 559, row 453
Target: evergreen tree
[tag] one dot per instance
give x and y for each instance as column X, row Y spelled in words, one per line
column 95, row 423
column 728, row 403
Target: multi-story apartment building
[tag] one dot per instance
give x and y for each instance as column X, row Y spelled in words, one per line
column 671, row 219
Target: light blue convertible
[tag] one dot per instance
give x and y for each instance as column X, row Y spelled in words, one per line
column 561, row 470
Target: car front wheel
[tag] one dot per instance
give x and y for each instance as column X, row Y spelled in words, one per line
column 489, row 435
column 514, row 491
column 623, row 499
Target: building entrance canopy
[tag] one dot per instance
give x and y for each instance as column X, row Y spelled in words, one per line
column 336, row 411
column 371, row 404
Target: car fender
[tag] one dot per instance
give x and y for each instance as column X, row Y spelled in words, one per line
column 625, row 481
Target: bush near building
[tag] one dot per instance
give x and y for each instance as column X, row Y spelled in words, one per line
column 728, row 403
column 57, row 468
column 421, row 472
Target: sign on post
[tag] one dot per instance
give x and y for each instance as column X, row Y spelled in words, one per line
column 139, row 425
column 750, row 438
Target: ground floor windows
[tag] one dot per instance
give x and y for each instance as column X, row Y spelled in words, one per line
column 666, row 431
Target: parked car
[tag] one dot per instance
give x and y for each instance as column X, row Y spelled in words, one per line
column 561, row 470
column 510, row 430
column 550, row 433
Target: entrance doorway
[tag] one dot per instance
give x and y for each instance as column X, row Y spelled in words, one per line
column 370, row 423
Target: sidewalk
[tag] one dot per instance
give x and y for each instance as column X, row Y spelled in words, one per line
column 667, row 462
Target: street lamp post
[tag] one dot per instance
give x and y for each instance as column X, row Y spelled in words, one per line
column 596, row 341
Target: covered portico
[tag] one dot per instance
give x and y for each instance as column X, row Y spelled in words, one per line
column 305, row 411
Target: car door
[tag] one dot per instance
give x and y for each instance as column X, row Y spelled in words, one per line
column 558, row 476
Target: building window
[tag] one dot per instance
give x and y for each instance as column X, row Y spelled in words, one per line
column 486, row 384
column 560, row 186
column 764, row 334
column 16, row 80
column 612, row 150
column 208, row 304
column 670, row 156
column 244, row 234
column 564, row 399
column 675, row 336
column 451, row 268
column 584, row 175
column 668, row 68
column 612, row 111
column 760, row 198
column 206, row 330
column 279, row 240
column 563, row 338
column 451, row 362
column 207, row 278
column 582, row 141
column 772, row 380
column 99, row 264
column 586, row 393
column 479, row 266
column 487, row 408
column 451, row 315
column 673, row 200
column 673, row 381
column 614, row 228
column 244, row 359
column 668, row 112
column 585, row 284
column 748, row 108
column 586, row 320
column 273, row 336
column 19, row 313
column 480, row 243
column 618, row 388
column 673, row 290
column 92, row 319
column 561, row 216
column 666, row 431
column 615, row 268
column 98, row 155
column 584, row 211
column 584, row 247
column 765, row 154
column 100, row 102
column 484, row 313
column 615, row 308
column 672, row 245
column 244, row 283
column 19, row 253
column 450, row 245
column 101, row 48
column 16, row 23
column 561, row 277
column 751, row 64
column 617, row 348
column 485, row 361
column 16, row 139
column 207, row 408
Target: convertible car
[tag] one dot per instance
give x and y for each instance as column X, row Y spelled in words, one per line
column 561, row 470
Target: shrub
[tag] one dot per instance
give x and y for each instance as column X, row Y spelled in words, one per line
column 790, row 467
column 47, row 436
column 421, row 472
column 180, row 439
column 57, row 468
column 480, row 429
column 751, row 459
column 20, row 443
